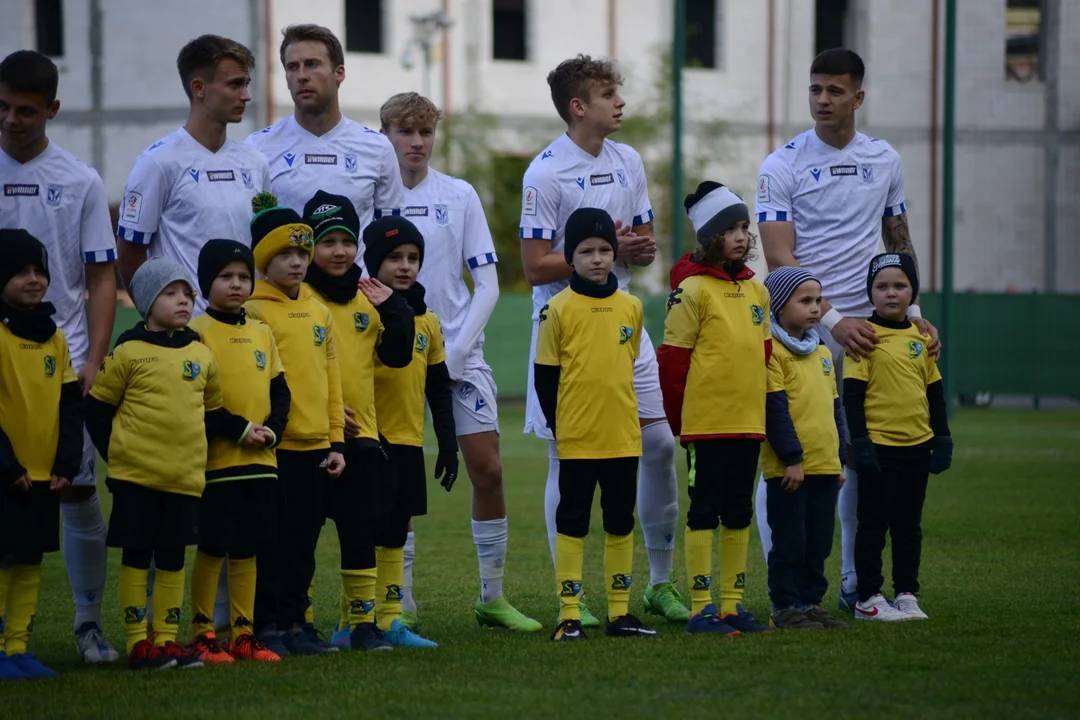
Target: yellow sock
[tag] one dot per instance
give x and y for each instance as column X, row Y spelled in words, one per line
column 619, row 567
column 309, row 614
column 699, row 551
column 569, row 557
column 733, row 547
column 5, row 581
column 133, row 604
column 167, row 601
column 21, row 607
column 390, row 576
column 241, row 575
column 343, row 606
column 358, row 590
column 204, row 586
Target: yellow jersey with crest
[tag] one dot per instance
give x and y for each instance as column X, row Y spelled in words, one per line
column 399, row 392
column 594, row 342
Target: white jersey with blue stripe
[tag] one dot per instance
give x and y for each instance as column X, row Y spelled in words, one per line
column 61, row 201
column 448, row 213
column 564, row 178
column 836, row 200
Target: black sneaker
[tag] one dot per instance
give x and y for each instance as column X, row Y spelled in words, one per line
column 569, row 630
column 183, row 657
column 144, row 656
column 629, row 626
column 368, row 636
column 793, row 619
column 272, row 641
column 820, row 615
column 316, row 637
column 297, row 642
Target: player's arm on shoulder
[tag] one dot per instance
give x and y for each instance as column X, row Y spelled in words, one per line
column 539, row 223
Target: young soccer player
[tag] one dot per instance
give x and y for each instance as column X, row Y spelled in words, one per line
column 150, row 413
column 238, row 507
column 312, row 446
column 394, row 253
column 373, row 322
column 584, row 375
column 803, row 453
column 713, row 370
column 897, row 415
column 41, row 418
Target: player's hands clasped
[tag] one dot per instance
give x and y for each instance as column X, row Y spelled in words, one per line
column 446, row 467
column 258, row 436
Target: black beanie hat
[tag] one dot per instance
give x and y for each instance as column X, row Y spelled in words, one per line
column 585, row 223
column 385, row 234
column 215, row 255
column 900, row 260
column 325, row 212
column 18, row 248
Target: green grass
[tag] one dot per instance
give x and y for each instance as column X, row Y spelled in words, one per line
column 1001, row 573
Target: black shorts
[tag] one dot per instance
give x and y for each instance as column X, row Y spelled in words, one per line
column 29, row 521
column 236, row 514
column 407, row 480
column 147, row 519
column 364, row 491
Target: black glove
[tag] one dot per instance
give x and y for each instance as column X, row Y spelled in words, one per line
column 446, row 467
column 865, row 456
column 941, row 457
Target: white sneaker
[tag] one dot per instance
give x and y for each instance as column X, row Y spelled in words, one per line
column 878, row 608
column 907, row 604
column 93, row 648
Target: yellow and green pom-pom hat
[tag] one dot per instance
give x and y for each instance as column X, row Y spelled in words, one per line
column 275, row 228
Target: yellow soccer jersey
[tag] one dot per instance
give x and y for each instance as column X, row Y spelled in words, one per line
column 358, row 332
column 810, row 384
column 247, row 361
column 594, row 342
column 161, row 395
column 31, row 375
column 725, row 323
column 897, row 374
column 304, row 333
column 399, row 393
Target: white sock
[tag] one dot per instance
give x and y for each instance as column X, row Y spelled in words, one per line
column 847, row 507
column 408, row 604
column 222, row 611
column 551, row 496
column 658, row 499
column 86, row 557
column 490, row 538
column 761, row 511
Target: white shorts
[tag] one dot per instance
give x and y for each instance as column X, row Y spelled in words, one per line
column 475, row 407
column 646, row 385
column 88, row 467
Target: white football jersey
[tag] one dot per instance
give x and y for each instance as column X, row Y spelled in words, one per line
column 180, row 195
column 449, row 214
column 61, row 201
column 564, row 178
column 836, row 200
column 350, row 160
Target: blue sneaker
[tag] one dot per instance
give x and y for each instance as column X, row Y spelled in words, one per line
column 401, row 636
column 341, row 637
column 297, row 642
column 8, row 669
column 709, row 621
column 272, row 640
column 744, row 622
column 31, row 667
column 848, row 600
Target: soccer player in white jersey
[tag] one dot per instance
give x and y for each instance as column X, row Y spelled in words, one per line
column 583, row 168
column 448, row 212
column 823, row 202
column 195, row 183
column 317, row 147
column 62, row 202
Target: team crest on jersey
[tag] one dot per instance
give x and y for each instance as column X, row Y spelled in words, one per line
column 673, row 298
column 192, row 370
column 868, row 174
column 50, row 366
column 914, row 348
column 54, row 194
column 826, row 366
column 319, row 334
column 626, row 333
column 245, row 175
column 260, row 360
column 620, row 174
column 757, row 314
column 421, row 342
column 350, row 162
column 465, row 391
column 543, row 313
column 361, row 321
column 442, row 215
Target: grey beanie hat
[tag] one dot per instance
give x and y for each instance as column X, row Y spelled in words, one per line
column 155, row 275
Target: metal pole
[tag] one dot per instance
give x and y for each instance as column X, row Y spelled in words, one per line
column 97, row 88
column 678, row 58
column 947, row 207
column 1051, row 144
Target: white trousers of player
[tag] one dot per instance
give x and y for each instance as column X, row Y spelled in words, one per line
column 658, row 489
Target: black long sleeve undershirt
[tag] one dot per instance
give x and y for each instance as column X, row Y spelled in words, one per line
column 395, row 348
column 437, row 390
column 69, row 447
column 546, row 381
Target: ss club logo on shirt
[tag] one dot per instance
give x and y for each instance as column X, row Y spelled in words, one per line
column 192, row 370
column 260, row 360
column 914, row 348
column 757, row 314
column 421, row 342
column 826, row 366
column 625, row 334
column 319, row 333
column 361, row 321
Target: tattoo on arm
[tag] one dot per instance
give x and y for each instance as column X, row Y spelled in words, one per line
column 897, row 237
column 652, row 228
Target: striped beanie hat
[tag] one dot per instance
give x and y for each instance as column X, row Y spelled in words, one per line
column 713, row 208
column 782, row 282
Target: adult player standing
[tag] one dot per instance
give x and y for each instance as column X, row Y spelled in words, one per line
column 448, row 213
column 62, row 202
column 583, row 168
column 317, row 147
column 195, row 183
column 823, row 200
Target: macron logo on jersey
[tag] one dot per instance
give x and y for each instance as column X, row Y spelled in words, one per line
column 21, row 190
column 313, row 159
column 289, row 158
column 546, row 154
column 580, row 182
column 816, row 172
column 194, row 174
